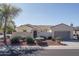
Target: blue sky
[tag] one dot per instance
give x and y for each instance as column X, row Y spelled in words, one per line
column 47, row 14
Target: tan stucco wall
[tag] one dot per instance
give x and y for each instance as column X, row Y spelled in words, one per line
column 23, row 34
column 45, row 34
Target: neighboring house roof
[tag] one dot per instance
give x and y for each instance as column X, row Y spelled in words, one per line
column 76, row 28
column 23, row 27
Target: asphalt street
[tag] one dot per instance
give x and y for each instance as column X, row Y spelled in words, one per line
column 59, row 52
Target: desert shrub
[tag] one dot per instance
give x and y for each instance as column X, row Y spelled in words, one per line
column 53, row 39
column 14, row 30
column 29, row 40
column 24, row 39
column 24, row 31
column 15, row 40
column 59, row 38
column 50, row 37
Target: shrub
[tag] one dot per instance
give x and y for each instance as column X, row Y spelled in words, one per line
column 53, row 39
column 15, row 40
column 24, row 31
column 29, row 40
column 14, row 30
column 24, row 39
column 49, row 37
column 58, row 38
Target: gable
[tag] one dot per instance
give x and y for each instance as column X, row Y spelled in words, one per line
column 62, row 27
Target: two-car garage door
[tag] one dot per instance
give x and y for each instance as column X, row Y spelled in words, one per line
column 63, row 34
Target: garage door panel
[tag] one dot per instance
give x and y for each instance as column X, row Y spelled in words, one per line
column 63, row 34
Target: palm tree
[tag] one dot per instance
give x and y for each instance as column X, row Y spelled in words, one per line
column 10, row 26
column 7, row 12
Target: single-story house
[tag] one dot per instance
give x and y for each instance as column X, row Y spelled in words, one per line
column 61, row 30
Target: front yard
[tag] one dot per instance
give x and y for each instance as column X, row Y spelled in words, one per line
column 28, row 46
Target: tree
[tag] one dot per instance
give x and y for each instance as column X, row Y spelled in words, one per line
column 7, row 12
column 10, row 26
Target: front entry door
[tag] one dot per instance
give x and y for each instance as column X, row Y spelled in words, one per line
column 34, row 34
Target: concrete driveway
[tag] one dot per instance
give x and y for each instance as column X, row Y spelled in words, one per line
column 70, row 45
